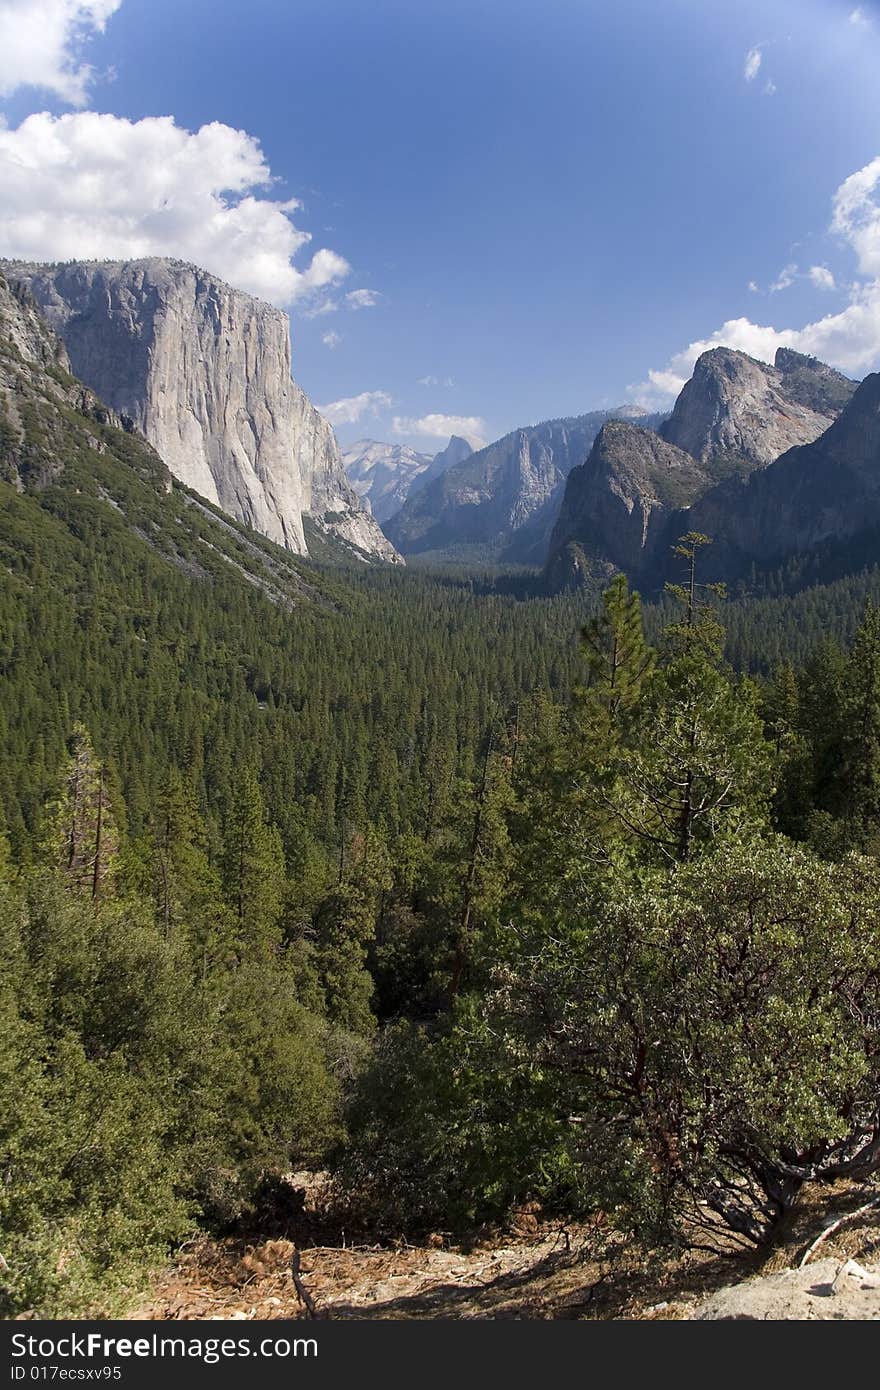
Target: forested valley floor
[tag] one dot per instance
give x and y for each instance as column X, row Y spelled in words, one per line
column 480, row 901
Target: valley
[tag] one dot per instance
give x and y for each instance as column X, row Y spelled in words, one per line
column 439, row 680
column 314, row 859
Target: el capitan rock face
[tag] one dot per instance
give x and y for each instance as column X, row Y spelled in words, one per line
column 46, row 415
column 744, row 413
column 203, row 370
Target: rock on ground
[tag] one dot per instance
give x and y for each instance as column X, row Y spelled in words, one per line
column 828, row 1289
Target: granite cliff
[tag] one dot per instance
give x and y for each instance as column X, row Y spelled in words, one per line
column 385, row 475
column 46, row 415
column 819, row 494
column 203, row 371
column 617, row 504
column 637, row 492
column 502, row 499
column 742, row 413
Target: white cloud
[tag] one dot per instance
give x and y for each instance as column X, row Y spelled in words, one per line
column 857, row 216
column 786, row 277
column 470, row 427
column 41, row 43
column 319, row 308
column 752, row 64
column 752, row 287
column 332, row 339
column 769, row 88
column 90, row 186
column 849, row 339
column 858, row 17
column 362, row 299
column 822, row 277
column 436, row 381
column 352, row 408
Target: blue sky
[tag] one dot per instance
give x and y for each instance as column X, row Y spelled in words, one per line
column 517, row 209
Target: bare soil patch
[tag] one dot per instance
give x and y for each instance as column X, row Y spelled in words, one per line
column 532, row 1269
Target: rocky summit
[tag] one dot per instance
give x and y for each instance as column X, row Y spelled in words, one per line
column 616, row 505
column 823, row 493
column 717, row 465
column 385, row 475
column 745, row 413
column 204, row 373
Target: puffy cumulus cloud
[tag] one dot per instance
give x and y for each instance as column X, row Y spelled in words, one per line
column 362, row 299
column 849, row 339
column 42, row 41
column 470, row 427
column 331, row 339
column 859, row 18
column 752, row 65
column 97, row 187
column 822, row 277
column 353, row 408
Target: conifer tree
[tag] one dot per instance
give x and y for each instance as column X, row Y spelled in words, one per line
column 696, row 762
column 860, row 760
column 254, row 870
column 485, row 854
column 674, row 752
column 619, row 659
column 182, row 883
column 345, row 925
column 81, row 837
column 783, row 716
column 821, row 688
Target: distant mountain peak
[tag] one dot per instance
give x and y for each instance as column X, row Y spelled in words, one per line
column 825, row 491
column 457, row 450
column 500, row 501
column 385, row 475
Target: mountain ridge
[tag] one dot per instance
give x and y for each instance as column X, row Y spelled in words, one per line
column 731, row 423
column 504, row 496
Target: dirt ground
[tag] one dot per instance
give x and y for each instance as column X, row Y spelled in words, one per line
column 534, row 1269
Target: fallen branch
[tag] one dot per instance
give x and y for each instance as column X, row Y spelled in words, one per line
column 835, row 1225
column 302, row 1292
